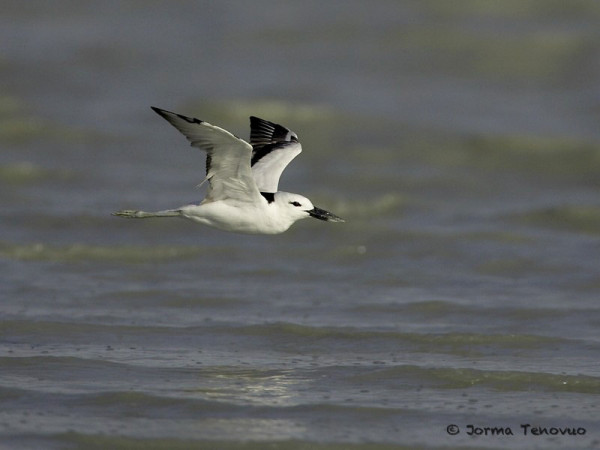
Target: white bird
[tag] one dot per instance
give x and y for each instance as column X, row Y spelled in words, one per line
column 243, row 177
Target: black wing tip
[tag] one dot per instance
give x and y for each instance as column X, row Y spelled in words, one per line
column 265, row 132
column 162, row 112
column 258, row 121
column 165, row 114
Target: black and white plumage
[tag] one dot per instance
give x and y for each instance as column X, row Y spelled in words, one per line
column 243, row 178
column 273, row 148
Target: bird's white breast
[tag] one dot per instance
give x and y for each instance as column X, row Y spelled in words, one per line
column 239, row 217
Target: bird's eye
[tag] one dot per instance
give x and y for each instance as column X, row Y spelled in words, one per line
column 295, row 204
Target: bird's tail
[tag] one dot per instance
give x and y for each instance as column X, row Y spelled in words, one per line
column 135, row 214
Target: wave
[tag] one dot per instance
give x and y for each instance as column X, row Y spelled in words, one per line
column 574, row 218
column 83, row 252
column 524, row 153
column 101, row 442
column 26, row 172
column 291, row 330
column 460, row 378
column 384, row 204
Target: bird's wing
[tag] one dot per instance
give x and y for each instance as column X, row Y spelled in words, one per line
column 227, row 161
column 273, row 147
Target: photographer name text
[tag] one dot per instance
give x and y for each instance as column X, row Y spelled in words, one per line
column 524, row 429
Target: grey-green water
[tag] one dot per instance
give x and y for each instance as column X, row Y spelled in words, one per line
column 460, row 140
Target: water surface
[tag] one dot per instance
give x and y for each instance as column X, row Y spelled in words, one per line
column 459, row 141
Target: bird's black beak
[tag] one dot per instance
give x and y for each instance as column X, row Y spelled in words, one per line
column 321, row 214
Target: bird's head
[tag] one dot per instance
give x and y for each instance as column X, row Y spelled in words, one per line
column 296, row 207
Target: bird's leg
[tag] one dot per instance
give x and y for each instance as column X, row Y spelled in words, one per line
column 134, row 214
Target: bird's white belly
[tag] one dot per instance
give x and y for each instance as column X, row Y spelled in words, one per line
column 239, row 218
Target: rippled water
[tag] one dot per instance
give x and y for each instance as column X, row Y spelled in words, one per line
column 461, row 143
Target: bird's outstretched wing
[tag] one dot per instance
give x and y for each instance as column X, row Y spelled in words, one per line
column 273, row 147
column 227, row 161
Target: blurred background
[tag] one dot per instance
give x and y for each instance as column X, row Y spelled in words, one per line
column 461, row 142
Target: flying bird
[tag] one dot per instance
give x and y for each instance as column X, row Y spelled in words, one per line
column 243, row 178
